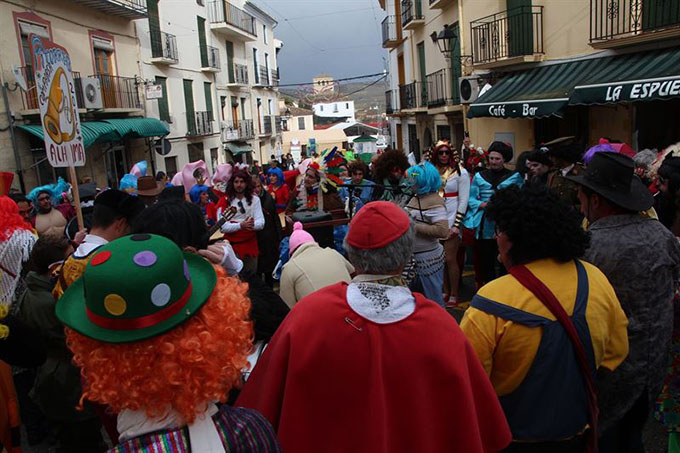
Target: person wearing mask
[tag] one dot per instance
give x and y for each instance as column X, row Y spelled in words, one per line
column 455, row 188
column 428, row 211
column 310, row 267
column 113, row 216
column 241, row 230
column 278, row 189
column 641, row 260
column 484, row 185
column 48, row 220
column 374, row 342
column 522, row 338
column 269, row 237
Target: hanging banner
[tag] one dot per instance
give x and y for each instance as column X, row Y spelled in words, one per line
column 58, row 104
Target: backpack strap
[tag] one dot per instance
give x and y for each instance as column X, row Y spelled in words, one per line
column 538, row 288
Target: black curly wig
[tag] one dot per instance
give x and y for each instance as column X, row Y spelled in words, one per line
column 538, row 224
column 387, row 161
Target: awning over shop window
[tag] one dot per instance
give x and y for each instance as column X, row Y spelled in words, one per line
column 111, row 130
column 546, row 90
column 93, row 132
column 139, row 127
column 237, row 149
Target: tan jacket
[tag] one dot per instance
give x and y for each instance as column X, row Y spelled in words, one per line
column 310, row 269
column 429, row 225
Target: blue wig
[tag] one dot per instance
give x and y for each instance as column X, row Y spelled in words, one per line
column 128, row 181
column 195, row 193
column 279, row 175
column 55, row 190
column 425, row 178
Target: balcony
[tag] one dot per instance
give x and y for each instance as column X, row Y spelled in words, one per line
column 163, row 48
column 239, row 76
column 412, row 14
column 616, row 23
column 210, row 59
column 233, row 131
column 231, row 21
column 278, row 124
column 29, row 98
column 442, row 89
column 275, row 77
column 413, row 96
column 119, row 93
column 266, row 126
column 130, row 9
column 440, row 4
column 262, row 76
column 509, row 37
column 201, row 125
column 391, row 35
column 391, row 102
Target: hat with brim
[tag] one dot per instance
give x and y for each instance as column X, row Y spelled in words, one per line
column 147, row 186
column 134, row 288
column 611, row 175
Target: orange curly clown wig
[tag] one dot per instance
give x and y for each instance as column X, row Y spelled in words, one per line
column 198, row 361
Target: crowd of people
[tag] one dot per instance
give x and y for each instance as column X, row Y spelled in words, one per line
column 302, row 306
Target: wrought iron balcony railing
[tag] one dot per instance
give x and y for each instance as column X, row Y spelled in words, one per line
column 201, row 125
column 612, row 19
column 210, row 58
column 130, row 9
column 512, row 33
column 411, row 10
column 237, row 130
column 389, row 30
column 29, row 98
column 413, row 95
column 119, row 92
column 164, row 46
column 391, row 101
column 223, row 11
column 266, row 125
column 262, row 75
column 278, row 124
column 240, row 74
column 442, row 89
column 275, row 77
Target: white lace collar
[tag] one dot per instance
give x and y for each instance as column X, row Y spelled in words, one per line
column 382, row 304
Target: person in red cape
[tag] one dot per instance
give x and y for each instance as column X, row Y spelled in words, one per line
column 242, row 230
column 371, row 367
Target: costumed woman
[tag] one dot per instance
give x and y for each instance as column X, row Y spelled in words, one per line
column 278, row 189
column 201, row 196
column 455, row 189
column 428, row 210
column 484, row 185
column 161, row 337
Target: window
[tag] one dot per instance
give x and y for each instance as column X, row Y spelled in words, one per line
column 264, row 33
column 189, row 106
column 213, row 158
column 171, row 166
column 301, row 123
column 202, row 43
column 200, row 2
column 163, row 108
column 321, row 107
column 155, row 29
column 26, row 28
column 266, row 66
column 347, row 105
column 270, row 108
column 243, row 108
column 207, row 89
column 103, row 49
column 223, row 104
column 255, row 65
column 195, row 151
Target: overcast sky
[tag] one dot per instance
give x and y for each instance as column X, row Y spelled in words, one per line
column 338, row 37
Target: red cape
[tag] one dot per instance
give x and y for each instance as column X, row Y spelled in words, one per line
column 333, row 381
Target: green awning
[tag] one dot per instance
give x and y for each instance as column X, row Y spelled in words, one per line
column 239, row 149
column 139, row 127
column 365, row 138
column 547, row 90
column 93, row 132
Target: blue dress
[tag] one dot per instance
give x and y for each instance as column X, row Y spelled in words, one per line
column 481, row 191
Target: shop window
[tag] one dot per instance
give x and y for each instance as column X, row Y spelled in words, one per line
column 171, row 166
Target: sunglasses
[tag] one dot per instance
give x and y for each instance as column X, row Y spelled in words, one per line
column 241, row 209
column 441, row 152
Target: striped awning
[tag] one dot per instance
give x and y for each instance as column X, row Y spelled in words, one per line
column 139, row 127
column 93, row 132
column 546, row 90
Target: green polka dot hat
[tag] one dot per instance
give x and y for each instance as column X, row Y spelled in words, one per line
column 134, row 288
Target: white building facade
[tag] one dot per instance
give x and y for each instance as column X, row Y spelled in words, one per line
column 340, row 110
column 216, row 63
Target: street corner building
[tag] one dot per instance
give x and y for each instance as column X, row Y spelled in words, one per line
column 146, row 89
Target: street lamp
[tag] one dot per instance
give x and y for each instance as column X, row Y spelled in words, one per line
column 447, row 41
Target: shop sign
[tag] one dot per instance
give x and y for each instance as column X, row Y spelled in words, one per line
column 530, row 109
column 638, row 90
column 58, row 104
column 154, row 92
